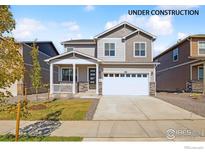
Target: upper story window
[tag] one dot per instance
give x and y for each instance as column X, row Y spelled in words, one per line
column 68, row 49
column 201, row 47
column 139, row 49
column 175, row 55
column 109, row 49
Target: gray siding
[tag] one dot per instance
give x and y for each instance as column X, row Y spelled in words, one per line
column 119, row 49
column 119, row 32
column 88, row 49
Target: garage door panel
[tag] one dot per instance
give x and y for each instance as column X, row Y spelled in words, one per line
column 125, row 86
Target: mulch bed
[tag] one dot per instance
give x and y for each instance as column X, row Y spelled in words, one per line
column 185, row 101
column 92, row 109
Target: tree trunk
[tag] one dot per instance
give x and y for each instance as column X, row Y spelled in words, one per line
column 36, row 94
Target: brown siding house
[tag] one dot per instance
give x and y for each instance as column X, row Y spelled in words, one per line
column 181, row 66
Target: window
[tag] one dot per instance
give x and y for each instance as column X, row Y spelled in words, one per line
column 200, row 73
column 68, row 49
column 201, row 48
column 67, row 74
column 122, row 75
column 105, row 75
column 133, row 75
column 140, row 49
column 116, row 75
column 109, row 49
column 175, row 55
column 144, row 75
column 128, row 75
column 139, row 75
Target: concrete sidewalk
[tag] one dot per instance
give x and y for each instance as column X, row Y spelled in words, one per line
column 140, row 130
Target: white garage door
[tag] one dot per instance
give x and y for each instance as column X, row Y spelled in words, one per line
column 125, row 84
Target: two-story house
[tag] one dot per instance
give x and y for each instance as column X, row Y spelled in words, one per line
column 118, row 61
column 182, row 65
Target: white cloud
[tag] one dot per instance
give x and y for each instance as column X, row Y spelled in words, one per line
column 158, row 25
column 178, row 6
column 26, row 28
column 181, row 35
column 30, row 29
column 89, row 8
column 71, row 26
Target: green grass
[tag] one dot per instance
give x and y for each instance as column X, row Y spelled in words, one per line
column 70, row 109
column 11, row 138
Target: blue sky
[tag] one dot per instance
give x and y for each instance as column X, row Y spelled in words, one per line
column 60, row 23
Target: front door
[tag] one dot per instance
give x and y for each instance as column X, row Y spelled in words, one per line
column 92, row 78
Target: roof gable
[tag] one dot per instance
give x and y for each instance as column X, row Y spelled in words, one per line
column 127, row 25
column 71, row 52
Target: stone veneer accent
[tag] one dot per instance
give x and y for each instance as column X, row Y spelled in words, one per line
column 152, row 88
column 83, row 86
column 195, row 86
column 100, row 88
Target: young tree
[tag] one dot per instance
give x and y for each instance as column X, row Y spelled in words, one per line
column 36, row 72
column 11, row 60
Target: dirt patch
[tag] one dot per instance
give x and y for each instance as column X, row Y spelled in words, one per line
column 92, row 109
column 38, row 107
column 191, row 102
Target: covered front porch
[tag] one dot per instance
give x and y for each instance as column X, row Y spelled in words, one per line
column 197, row 73
column 63, row 78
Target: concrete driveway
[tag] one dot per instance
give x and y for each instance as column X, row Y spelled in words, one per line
column 139, row 108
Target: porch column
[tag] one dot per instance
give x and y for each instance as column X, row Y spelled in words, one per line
column 74, row 79
column 204, row 78
column 97, row 79
column 51, row 78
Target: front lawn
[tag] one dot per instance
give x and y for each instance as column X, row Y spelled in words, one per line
column 8, row 138
column 70, row 109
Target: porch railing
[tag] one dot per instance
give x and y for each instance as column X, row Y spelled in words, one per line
column 62, row 88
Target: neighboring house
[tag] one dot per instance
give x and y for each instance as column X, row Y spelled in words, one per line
column 182, row 65
column 46, row 50
column 118, row 61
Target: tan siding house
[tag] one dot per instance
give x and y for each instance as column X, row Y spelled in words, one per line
column 117, row 61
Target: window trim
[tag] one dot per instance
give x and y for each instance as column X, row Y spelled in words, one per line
column 61, row 71
column 177, row 55
column 145, row 49
column 198, row 72
column 109, row 50
column 198, row 48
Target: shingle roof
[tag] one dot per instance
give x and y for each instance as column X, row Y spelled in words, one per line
column 45, row 46
column 79, row 41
